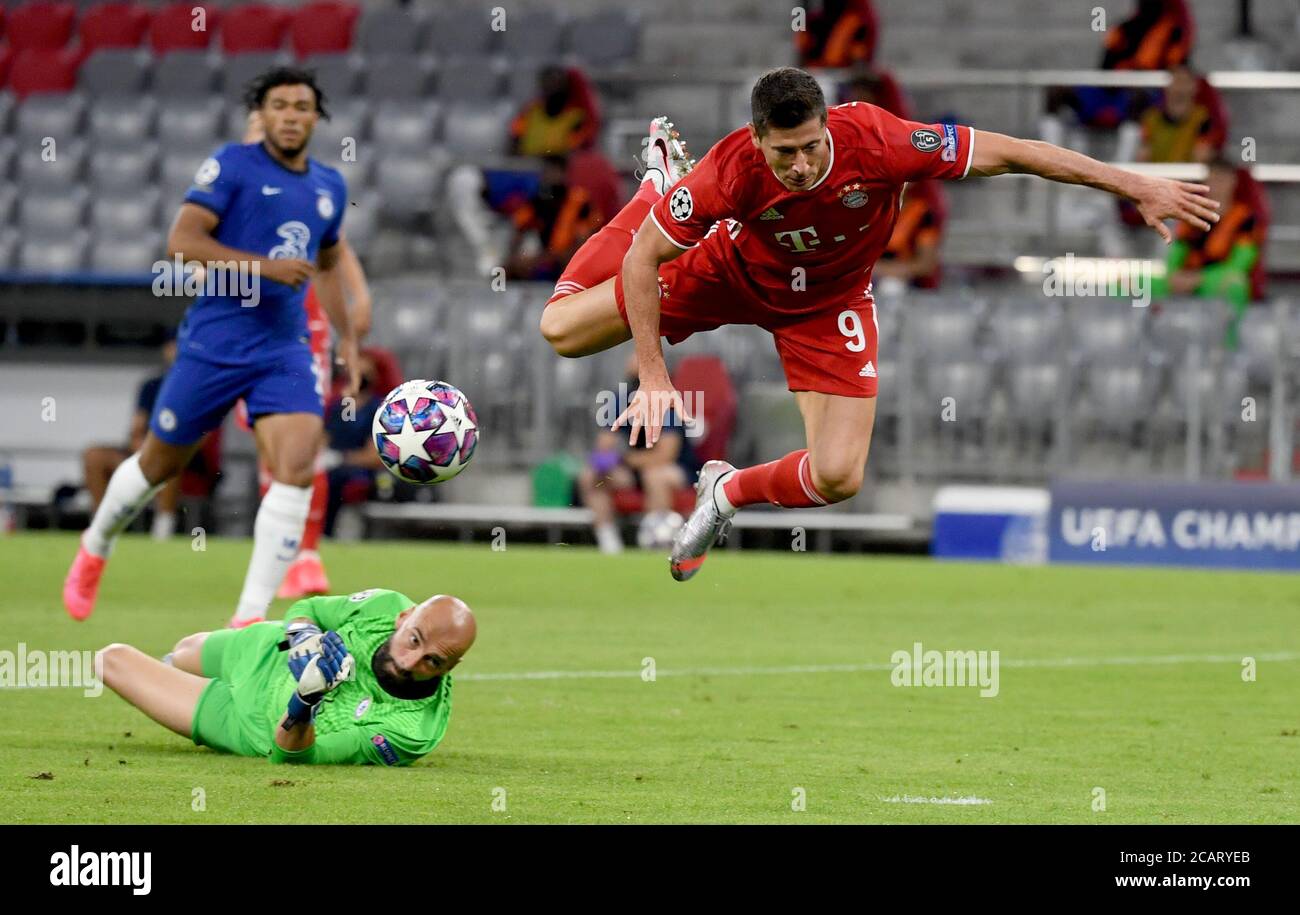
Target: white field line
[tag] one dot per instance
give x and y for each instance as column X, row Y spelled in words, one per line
column 869, row 668
column 955, row 801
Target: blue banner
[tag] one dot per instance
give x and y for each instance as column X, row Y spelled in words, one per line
column 1217, row 525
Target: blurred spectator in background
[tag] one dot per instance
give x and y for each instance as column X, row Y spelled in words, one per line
column 1186, row 124
column 838, row 33
column 551, row 226
column 878, row 87
column 912, row 255
column 563, row 118
column 99, row 461
column 1225, row 262
column 659, row 471
column 1158, row 36
column 560, row 124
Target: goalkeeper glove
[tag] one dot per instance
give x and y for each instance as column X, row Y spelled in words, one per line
column 322, row 672
column 302, row 638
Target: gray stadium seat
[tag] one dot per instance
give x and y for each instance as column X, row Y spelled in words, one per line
column 52, row 212
column 238, row 70
column 533, row 35
column 465, row 80
column 8, row 201
column 1034, row 328
column 122, row 169
column 125, row 214
column 466, row 32
column 114, row 72
column 477, row 130
column 407, row 184
column 938, row 332
column 391, row 77
column 120, row 122
column 969, row 383
column 192, row 124
column 59, row 174
column 8, row 248
column 605, row 38
column 1221, row 391
column 405, row 125
column 361, row 219
column 185, row 74
column 390, row 31
column 126, row 255
column 8, row 153
column 521, row 83
column 53, row 255
column 337, row 74
column 1034, row 391
column 1105, row 328
column 1121, row 393
column 47, row 115
column 176, row 175
column 350, row 118
column 6, row 111
column 358, row 175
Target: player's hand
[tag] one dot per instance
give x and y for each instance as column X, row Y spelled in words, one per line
column 652, row 402
column 303, row 639
column 325, row 670
column 291, row 271
column 348, row 357
column 1158, row 199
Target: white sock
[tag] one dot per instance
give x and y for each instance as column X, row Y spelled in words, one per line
column 720, row 500
column 608, row 538
column 128, row 492
column 164, row 525
column 277, row 532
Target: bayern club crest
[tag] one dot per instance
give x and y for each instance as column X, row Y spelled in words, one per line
column 425, row 431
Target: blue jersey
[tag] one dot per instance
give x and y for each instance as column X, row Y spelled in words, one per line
column 265, row 209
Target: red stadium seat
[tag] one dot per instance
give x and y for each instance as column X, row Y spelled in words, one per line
column 254, row 27
column 43, row 71
column 41, row 25
column 6, row 60
column 174, row 27
column 113, row 25
column 323, row 27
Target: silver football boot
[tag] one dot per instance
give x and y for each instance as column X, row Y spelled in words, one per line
column 705, row 527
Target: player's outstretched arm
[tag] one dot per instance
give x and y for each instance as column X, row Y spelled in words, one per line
column 1157, row 199
column 655, row 395
column 356, row 291
column 329, row 290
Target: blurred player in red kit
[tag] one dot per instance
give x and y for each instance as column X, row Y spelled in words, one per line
column 780, row 225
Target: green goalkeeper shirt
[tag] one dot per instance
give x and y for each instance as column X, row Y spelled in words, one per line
column 357, row 722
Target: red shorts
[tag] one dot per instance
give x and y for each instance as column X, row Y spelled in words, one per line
column 829, row 349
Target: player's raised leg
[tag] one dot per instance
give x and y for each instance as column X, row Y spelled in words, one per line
column 135, row 481
column 290, row 442
column 582, row 316
column 166, row 694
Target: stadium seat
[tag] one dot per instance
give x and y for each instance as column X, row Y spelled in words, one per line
column 464, row 32
column 604, row 39
column 114, row 71
column 1120, row 393
column 1034, row 390
column 969, row 383
column 125, row 214
column 6, row 62
column 53, row 255
column 119, row 122
column 177, row 174
column 336, row 74
column 1105, row 328
column 476, row 130
column 191, row 124
column 42, row 71
column 33, row 172
column 173, row 27
column 467, row 80
column 1032, row 328
column 322, row 27
column 53, row 116
column 8, row 248
column 241, row 69
column 533, row 35
column 40, row 25
column 135, row 254
column 125, row 169
column 407, row 184
column 939, row 332
column 405, row 125
column 184, row 73
column 361, row 219
column 113, row 25
column 390, row 30
column 50, row 212
column 253, row 28
column 391, row 77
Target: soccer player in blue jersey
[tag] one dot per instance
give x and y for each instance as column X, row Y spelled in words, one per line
column 263, row 219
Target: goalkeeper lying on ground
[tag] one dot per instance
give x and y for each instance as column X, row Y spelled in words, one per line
column 349, row 679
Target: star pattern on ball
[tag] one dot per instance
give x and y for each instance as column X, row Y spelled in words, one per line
column 455, row 421
column 409, row 442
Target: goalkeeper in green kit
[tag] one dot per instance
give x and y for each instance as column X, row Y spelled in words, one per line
column 360, row 679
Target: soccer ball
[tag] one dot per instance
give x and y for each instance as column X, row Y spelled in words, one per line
column 425, row 431
column 657, row 530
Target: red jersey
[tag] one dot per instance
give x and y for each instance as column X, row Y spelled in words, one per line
column 835, row 230
column 318, row 325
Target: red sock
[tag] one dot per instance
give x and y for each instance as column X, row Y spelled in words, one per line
column 316, row 513
column 601, row 256
column 786, row 482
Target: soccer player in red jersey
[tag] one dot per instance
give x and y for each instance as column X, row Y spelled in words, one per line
column 780, row 226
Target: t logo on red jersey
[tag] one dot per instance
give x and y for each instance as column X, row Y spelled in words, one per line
column 796, row 242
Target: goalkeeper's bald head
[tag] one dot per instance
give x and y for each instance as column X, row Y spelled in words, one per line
column 430, row 639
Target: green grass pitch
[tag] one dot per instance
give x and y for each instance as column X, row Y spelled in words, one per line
column 1125, row 680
